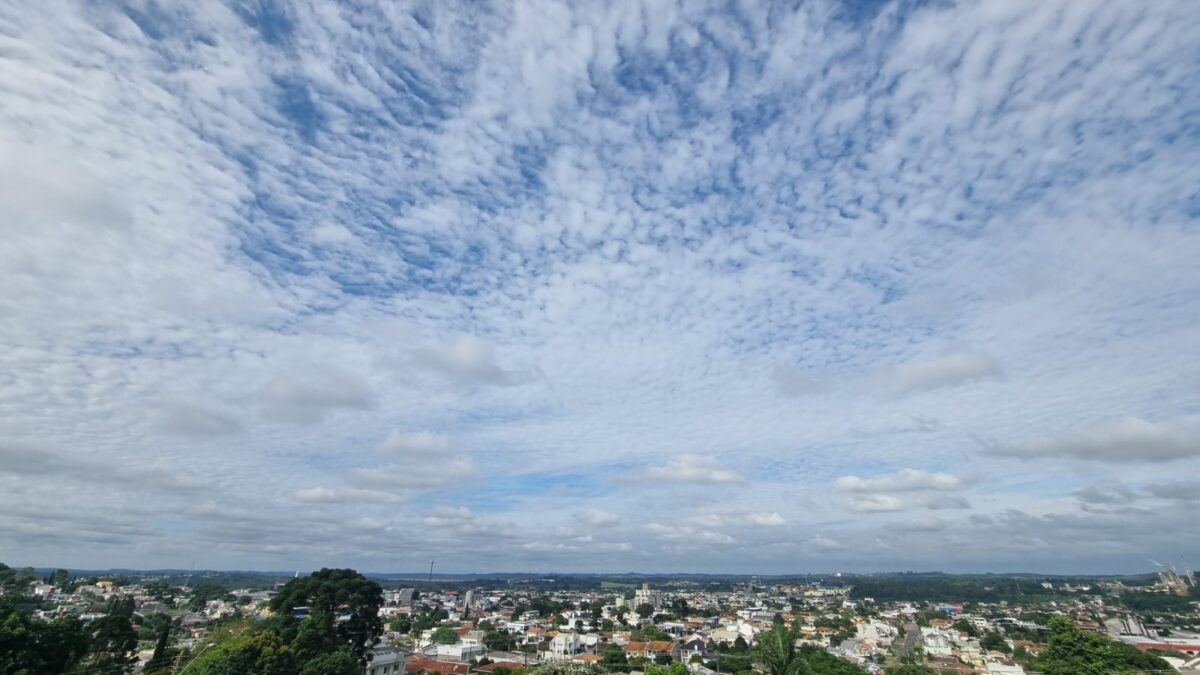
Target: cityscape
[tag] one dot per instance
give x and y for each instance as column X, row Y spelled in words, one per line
column 912, row 623
column 634, row 337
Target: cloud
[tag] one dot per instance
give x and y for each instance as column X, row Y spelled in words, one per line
column 1174, row 490
column 470, row 359
column 597, row 518
column 403, row 444
column 948, row 371
column 740, row 519
column 199, row 420
column 1105, row 494
column 306, row 397
column 793, row 381
column 904, row 480
column 317, row 495
column 876, row 504
column 1129, row 440
column 688, row 468
column 321, row 270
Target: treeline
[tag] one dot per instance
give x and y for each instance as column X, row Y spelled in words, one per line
column 30, row 646
column 946, row 588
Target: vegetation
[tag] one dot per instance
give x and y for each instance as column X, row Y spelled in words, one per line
column 32, row 647
column 341, row 626
column 780, row 656
column 1073, row 651
column 942, row 588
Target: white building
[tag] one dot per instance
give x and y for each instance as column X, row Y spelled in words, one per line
column 385, row 661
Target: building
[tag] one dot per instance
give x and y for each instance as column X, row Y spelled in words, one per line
column 645, row 596
column 385, row 661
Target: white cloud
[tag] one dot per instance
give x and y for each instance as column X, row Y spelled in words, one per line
column 597, row 518
column 508, row 256
column 876, row 503
column 1129, row 440
column 904, row 480
column 947, row 371
column 403, row 444
column 688, row 468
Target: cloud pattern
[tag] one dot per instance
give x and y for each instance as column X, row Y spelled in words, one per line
column 652, row 285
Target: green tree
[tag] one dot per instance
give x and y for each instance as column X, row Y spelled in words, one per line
column 112, row 642
column 260, row 653
column 329, row 593
column 161, row 659
column 779, row 655
column 645, row 610
column 60, row 578
column 401, row 624
column 613, row 656
column 1072, row 651
column 777, row 649
column 499, row 641
column 966, row 627
column 445, row 635
column 994, row 641
column 676, row 668
column 910, row 669
column 340, row 662
column 32, row 647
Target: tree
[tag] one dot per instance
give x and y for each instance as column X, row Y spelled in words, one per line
column 60, row 578
column 401, row 624
column 676, row 668
column 161, row 659
column 329, row 593
column 445, row 635
column 260, row 653
column 777, row 648
column 112, row 642
column 644, row 610
column 613, row 656
column 1072, row 651
column 32, row 647
column 994, row 641
column 567, row 668
column 340, row 662
column 966, row 627
column 910, row 669
column 780, row 656
column 499, row 641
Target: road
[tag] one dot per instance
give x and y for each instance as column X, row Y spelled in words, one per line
column 912, row 636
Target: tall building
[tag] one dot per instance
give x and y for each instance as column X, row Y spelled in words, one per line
column 645, row 596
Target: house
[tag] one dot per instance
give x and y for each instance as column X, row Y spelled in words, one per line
column 695, row 646
column 419, row 665
column 489, row 667
column 385, row 661
column 648, row 650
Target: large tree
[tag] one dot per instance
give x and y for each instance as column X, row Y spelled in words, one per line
column 344, row 602
column 779, row 655
column 32, row 647
column 1073, row 651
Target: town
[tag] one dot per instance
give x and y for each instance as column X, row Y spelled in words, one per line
column 659, row 625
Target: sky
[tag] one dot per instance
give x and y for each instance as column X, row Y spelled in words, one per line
column 737, row 287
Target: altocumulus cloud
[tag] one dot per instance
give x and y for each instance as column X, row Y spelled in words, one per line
column 662, row 285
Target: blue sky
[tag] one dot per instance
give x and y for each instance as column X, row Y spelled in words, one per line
column 659, row 286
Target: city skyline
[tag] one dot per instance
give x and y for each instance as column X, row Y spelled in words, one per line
column 651, row 286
